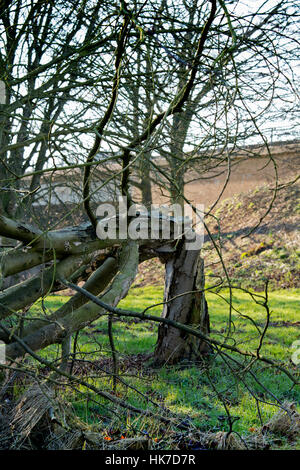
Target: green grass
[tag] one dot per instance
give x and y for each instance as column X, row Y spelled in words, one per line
column 187, row 390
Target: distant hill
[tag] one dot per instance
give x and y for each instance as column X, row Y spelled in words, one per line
column 272, row 251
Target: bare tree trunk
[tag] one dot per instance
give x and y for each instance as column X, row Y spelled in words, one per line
column 65, row 353
column 184, row 274
column 146, row 181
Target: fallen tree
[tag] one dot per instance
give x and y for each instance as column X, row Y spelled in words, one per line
column 117, row 269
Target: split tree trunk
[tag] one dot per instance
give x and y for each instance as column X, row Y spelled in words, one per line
column 184, row 274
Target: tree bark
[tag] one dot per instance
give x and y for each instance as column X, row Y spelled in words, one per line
column 55, row 332
column 21, row 295
column 66, row 344
column 184, row 274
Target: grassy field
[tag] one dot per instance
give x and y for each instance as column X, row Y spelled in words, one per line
column 191, row 392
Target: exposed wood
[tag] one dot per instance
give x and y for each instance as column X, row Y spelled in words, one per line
column 184, row 275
